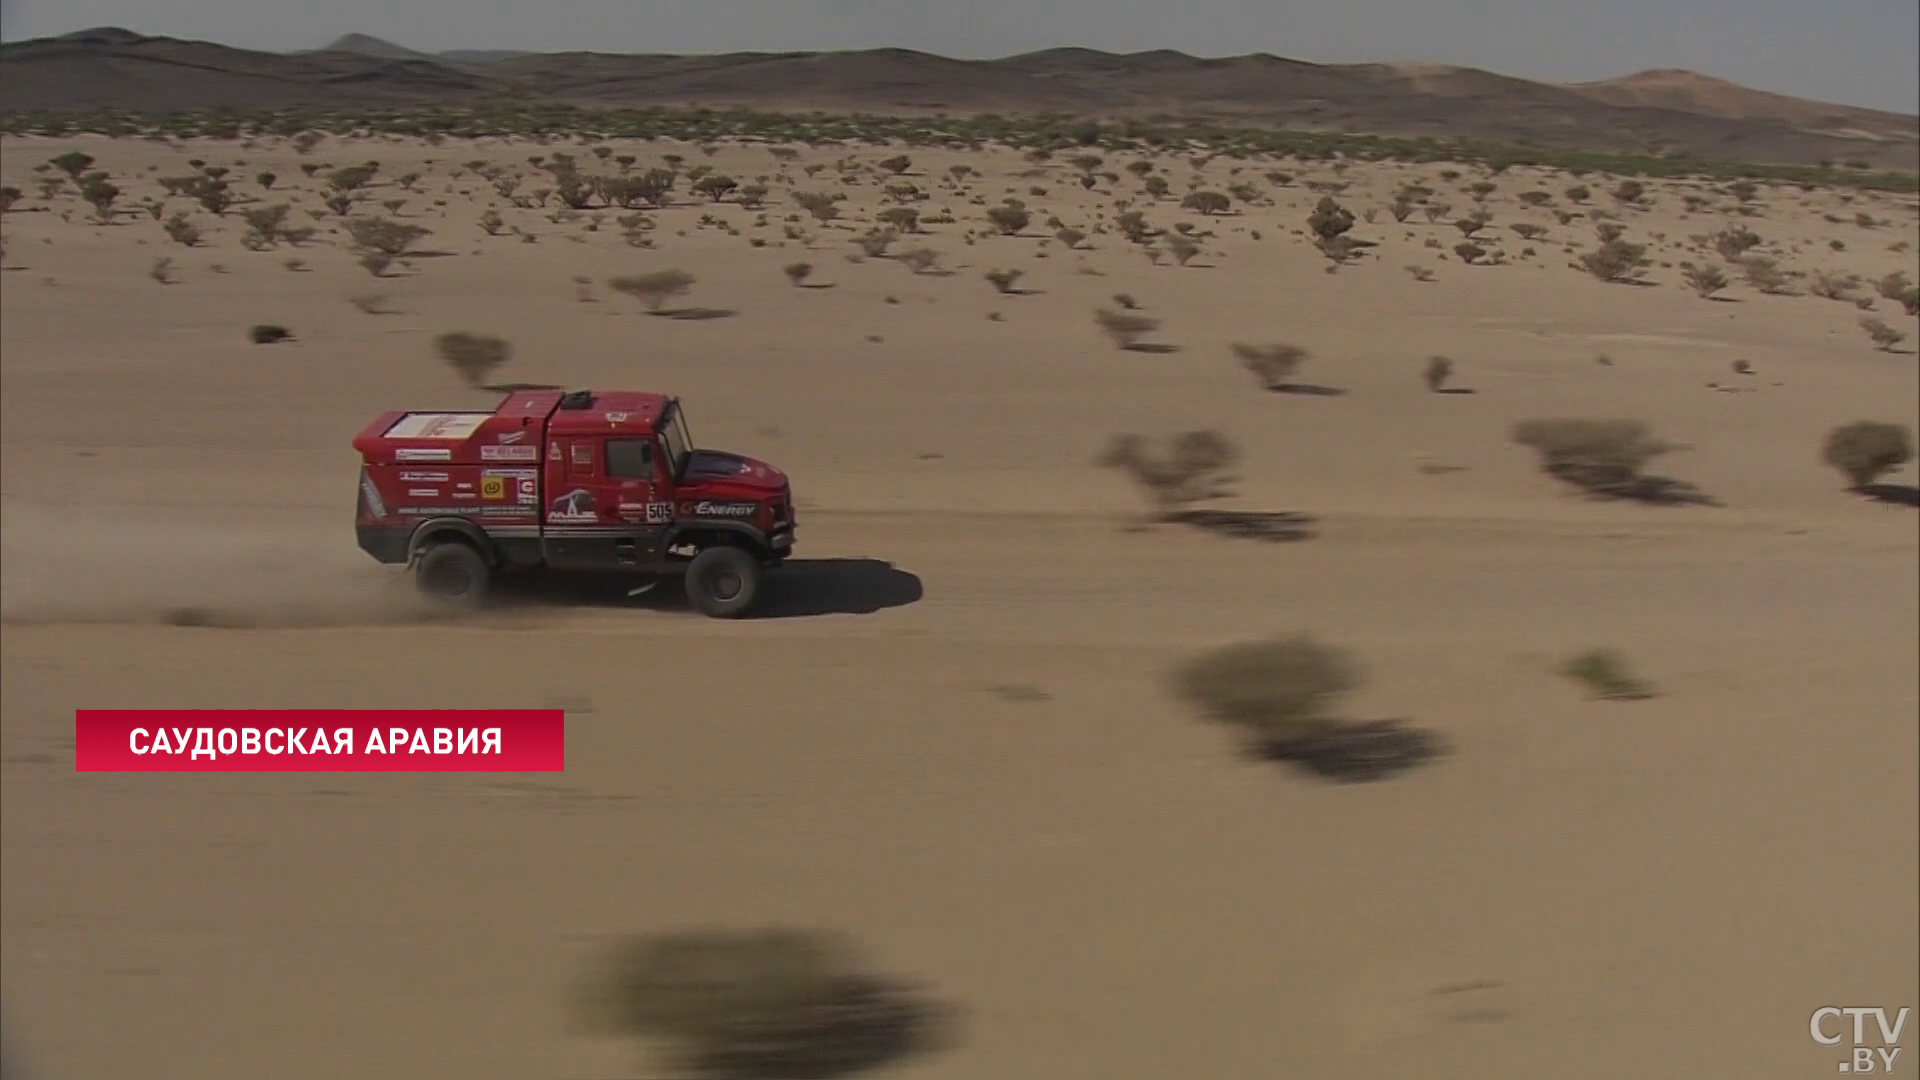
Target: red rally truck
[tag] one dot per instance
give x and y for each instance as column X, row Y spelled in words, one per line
column 604, row 482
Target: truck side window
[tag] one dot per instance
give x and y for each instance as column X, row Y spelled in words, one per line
column 630, row 459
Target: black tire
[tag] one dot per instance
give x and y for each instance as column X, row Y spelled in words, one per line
column 723, row 582
column 453, row 573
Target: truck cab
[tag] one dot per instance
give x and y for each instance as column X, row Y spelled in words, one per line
column 593, row 482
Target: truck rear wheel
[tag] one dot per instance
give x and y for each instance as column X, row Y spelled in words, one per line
column 452, row 573
column 723, row 582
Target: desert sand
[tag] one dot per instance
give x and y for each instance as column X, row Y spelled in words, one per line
column 954, row 737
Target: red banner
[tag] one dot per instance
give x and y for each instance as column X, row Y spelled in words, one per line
column 320, row 740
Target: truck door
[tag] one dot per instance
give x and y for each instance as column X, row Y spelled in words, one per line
column 601, row 513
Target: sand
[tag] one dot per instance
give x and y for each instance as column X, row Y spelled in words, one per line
column 954, row 738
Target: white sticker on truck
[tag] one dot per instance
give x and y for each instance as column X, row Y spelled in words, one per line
column 509, row 453
column 454, row 427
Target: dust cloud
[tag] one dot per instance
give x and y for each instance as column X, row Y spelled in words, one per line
column 59, row 570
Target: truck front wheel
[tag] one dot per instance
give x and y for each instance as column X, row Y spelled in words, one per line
column 722, row 582
column 452, row 573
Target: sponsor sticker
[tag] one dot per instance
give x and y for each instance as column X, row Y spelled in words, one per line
column 423, row 453
column 707, row 508
column 509, row 453
column 659, row 513
column 575, row 505
column 508, row 438
column 375, row 505
column 493, row 487
column 423, row 493
column 424, row 478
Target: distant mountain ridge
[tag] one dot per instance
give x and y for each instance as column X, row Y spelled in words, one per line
column 1657, row 111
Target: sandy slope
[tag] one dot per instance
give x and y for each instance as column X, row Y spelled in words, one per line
column 957, row 742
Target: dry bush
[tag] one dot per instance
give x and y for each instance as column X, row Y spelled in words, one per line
column 1894, row 286
column 1866, row 450
column 716, row 186
column 1003, row 281
column 1829, row 285
column 1273, row 365
column 265, row 226
column 181, row 230
column 1207, row 202
column 473, row 356
column 1194, row 467
column 901, row 218
column 161, row 270
column 653, row 289
column 919, row 260
column 875, row 243
column 269, row 334
column 1329, row 224
column 372, row 303
column 1008, row 219
column 1764, row 274
column 1704, row 280
column 1125, row 330
column 1070, row 237
column 1606, row 676
column 1280, row 693
column 100, row 193
column 762, row 1004
column 1616, row 260
column 1733, row 244
column 1601, row 457
column 824, row 208
column 1884, row 336
column 1420, row 273
column 391, row 238
column 797, row 272
column 1438, row 370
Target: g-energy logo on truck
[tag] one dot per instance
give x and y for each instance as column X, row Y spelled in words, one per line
column 706, row 508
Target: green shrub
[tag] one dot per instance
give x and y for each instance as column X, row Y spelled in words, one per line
column 1273, row 365
column 1866, row 450
column 1280, row 693
column 1604, row 457
column 761, row 1005
column 1194, row 467
column 473, row 356
column 1606, row 676
column 653, row 289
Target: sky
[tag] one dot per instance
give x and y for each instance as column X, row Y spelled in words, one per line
column 1855, row 52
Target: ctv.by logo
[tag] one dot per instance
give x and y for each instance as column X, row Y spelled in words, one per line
column 1865, row 1059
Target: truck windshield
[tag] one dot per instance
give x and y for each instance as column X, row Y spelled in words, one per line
column 673, row 434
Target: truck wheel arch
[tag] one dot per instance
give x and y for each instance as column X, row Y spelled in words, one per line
column 705, row 534
column 455, row 530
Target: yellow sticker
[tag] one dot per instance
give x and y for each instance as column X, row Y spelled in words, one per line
column 493, row 487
